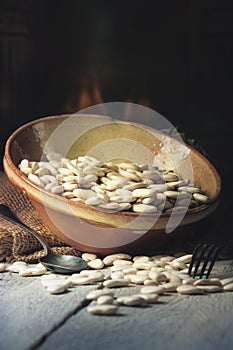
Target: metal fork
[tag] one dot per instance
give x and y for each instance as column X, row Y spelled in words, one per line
column 203, row 259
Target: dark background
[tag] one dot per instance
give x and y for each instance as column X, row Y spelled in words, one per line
column 174, row 56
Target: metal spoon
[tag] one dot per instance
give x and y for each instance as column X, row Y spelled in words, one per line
column 65, row 264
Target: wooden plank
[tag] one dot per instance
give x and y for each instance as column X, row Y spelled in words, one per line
column 178, row 322
column 30, row 318
column 28, row 312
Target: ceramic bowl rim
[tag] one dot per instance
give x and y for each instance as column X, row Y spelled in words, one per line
column 7, row 161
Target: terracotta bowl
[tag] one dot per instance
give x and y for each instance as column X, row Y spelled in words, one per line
column 86, row 227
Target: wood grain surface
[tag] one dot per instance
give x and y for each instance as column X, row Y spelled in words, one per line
column 30, row 318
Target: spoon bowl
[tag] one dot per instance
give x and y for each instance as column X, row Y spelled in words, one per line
column 64, row 264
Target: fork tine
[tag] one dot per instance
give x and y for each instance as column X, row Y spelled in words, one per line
column 207, row 253
column 196, row 259
column 211, row 249
column 200, row 258
column 195, row 251
column 213, row 260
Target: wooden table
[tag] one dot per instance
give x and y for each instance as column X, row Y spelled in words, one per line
column 30, row 318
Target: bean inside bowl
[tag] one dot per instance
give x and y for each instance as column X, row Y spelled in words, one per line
column 91, row 228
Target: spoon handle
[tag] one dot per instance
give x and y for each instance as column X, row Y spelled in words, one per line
column 7, row 214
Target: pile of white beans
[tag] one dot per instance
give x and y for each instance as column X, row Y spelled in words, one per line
column 125, row 186
column 149, row 278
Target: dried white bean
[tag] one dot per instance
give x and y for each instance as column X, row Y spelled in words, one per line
column 189, row 289
column 212, row 288
column 170, row 177
column 136, row 279
column 171, row 194
column 117, row 275
column 93, row 200
column 83, row 194
column 102, row 309
column 81, row 280
column 95, row 294
column 42, row 171
column 96, row 264
column 133, row 300
column 109, row 206
column 156, row 276
column 227, row 280
column 172, row 277
column 88, row 257
column 124, row 206
column 171, row 286
column 141, row 258
column 69, row 186
column 140, row 265
column 201, row 198
column 186, row 259
column 26, row 171
column 51, row 185
column 57, row 189
column 121, row 262
column 228, row 287
column 115, row 283
column 149, row 282
column 189, row 189
column 52, row 170
column 143, row 272
column 57, row 288
column 36, row 270
column 24, row 163
column 188, row 281
column 35, row 179
column 116, row 268
column 178, row 265
column 68, row 195
column 144, row 208
column 129, row 270
column 152, row 290
column 150, row 298
column 17, row 266
column 108, row 260
column 105, row 300
column 3, row 267
column 144, row 192
column 207, row 282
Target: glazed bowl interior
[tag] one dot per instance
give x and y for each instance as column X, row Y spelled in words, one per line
column 84, row 226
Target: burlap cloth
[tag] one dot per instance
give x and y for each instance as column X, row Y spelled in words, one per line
column 17, row 244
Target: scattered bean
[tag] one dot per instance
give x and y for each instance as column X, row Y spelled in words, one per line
column 207, row 282
column 57, row 287
column 133, row 300
column 3, row 267
column 226, row 281
column 102, row 309
column 228, row 287
column 212, row 288
column 115, row 283
column 153, row 290
column 105, row 299
column 150, row 298
column 189, row 289
column 109, row 259
column 96, row 264
column 89, row 257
